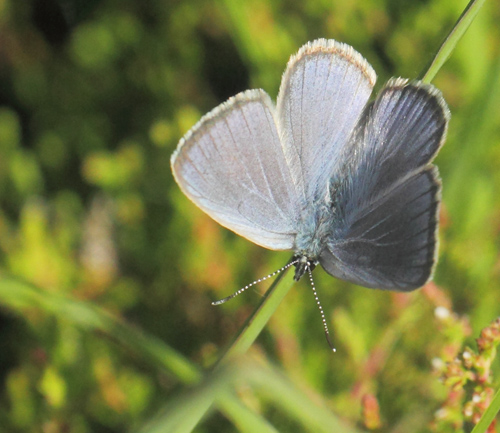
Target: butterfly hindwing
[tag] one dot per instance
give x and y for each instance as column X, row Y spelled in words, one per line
column 391, row 243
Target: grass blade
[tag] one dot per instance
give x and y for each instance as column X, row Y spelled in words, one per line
column 452, row 39
column 488, row 415
column 256, row 322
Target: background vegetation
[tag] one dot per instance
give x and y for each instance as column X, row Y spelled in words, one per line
column 108, row 271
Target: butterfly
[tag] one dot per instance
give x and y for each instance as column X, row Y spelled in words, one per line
column 344, row 182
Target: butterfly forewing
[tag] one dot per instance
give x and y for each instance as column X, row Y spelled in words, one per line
column 323, row 92
column 231, row 165
column 401, row 131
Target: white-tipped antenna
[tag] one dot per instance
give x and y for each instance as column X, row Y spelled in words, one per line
column 318, row 303
column 238, row 292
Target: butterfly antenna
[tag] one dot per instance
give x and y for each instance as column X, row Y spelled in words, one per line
column 318, row 303
column 238, row 292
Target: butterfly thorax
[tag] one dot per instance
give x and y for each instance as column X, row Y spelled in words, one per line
column 315, row 228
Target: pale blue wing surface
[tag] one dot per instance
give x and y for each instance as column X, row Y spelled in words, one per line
column 323, row 92
column 386, row 198
column 231, row 165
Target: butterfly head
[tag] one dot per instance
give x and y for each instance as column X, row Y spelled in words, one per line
column 303, row 263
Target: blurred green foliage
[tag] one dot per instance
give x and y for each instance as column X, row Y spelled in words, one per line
column 108, row 271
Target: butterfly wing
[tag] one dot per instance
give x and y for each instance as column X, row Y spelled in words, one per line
column 323, row 92
column 386, row 205
column 231, row 165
